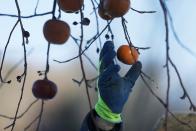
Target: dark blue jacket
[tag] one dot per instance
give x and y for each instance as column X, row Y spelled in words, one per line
column 88, row 124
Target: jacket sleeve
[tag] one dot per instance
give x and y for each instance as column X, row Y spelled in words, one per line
column 88, row 124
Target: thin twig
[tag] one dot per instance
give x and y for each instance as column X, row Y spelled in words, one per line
column 142, row 48
column 35, row 11
column 111, row 32
column 78, row 82
column 14, row 67
column 22, row 114
column 152, row 92
column 180, row 121
column 164, row 104
column 149, row 78
column 167, row 60
column 87, row 47
column 29, row 16
column 82, row 67
column 185, row 94
column 127, row 36
column 40, row 116
column 176, row 35
column 25, row 68
column 30, row 124
column 87, row 57
column 97, row 22
column 4, row 52
column 81, row 60
column 142, row 12
column 47, row 62
column 54, row 9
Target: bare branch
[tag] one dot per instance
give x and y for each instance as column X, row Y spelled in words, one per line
column 167, row 58
column 4, row 53
column 40, row 116
column 30, row 124
column 143, row 12
column 87, row 57
column 152, row 92
column 185, row 94
column 25, row 68
column 78, row 82
column 29, row 16
column 81, row 61
column 164, row 104
column 81, row 53
column 35, row 11
column 22, row 114
column 176, row 35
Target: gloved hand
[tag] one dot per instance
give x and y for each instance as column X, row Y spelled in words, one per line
column 113, row 89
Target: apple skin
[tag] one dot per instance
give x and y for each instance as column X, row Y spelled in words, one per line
column 103, row 14
column 127, row 55
column 56, row 31
column 44, row 89
column 116, row 8
column 70, row 6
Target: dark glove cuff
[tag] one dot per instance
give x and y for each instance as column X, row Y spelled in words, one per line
column 103, row 124
column 91, row 123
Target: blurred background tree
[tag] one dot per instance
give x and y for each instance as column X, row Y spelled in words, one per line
column 66, row 111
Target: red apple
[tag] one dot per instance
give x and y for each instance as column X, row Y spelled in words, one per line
column 44, row 89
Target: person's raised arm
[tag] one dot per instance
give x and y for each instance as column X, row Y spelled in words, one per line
column 113, row 92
